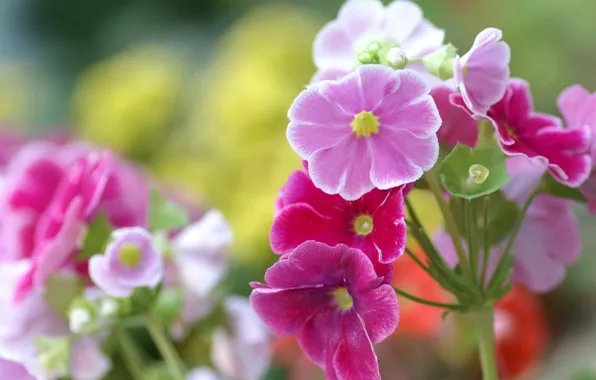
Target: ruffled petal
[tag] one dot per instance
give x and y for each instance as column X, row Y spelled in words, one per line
column 402, row 18
column 354, row 357
column 333, row 48
column 359, row 16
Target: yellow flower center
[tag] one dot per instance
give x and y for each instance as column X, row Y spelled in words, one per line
column 129, row 255
column 365, row 124
column 343, row 298
column 363, row 224
column 511, row 131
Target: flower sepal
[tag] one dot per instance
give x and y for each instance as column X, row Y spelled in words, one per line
column 441, row 62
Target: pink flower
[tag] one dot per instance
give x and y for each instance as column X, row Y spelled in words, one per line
column 482, row 73
column 332, row 300
column 362, row 23
column 51, row 195
column 374, row 223
column 131, row 260
column 374, row 128
column 520, row 130
column 458, row 125
column 578, row 107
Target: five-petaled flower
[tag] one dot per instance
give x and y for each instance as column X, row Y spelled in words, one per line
column 365, row 31
column 374, row 223
column 333, row 301
column 374, row 128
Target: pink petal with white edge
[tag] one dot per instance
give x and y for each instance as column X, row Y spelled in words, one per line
column 376, row 82
column 400, row 158
column 355, row 357
column 343, row 169
column 570, row 101
column 401, row 19
column 333, row 48
column 346, row 94
column 359, row 16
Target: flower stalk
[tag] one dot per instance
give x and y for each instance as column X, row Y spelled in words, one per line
column 165, row 347
column 483, row 322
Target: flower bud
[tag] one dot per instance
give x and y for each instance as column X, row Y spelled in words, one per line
column 441, row 62
column 397, row 58
column 109, row 307
column 366, row 58
column 79, row 320
column 477, row 174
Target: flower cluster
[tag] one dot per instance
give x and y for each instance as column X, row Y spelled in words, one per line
column 390, row 108
column 89, row 243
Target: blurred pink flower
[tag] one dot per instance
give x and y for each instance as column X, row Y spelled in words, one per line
column 336, row 305
column 363, row 22
column 373, row 223
column 482, row 73
column 131, row 260
column 374, row 128
column 51, row 193
column 520, row 130
column 578, row 107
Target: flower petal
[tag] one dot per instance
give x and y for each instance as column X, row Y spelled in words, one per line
column 355, row 357
column 379, row 312
column 360, row 16
column 333, row 48
column 401, row 19
column 570, row 101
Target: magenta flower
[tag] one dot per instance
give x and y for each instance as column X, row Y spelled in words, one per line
column 365, row 24
column 336, row 305
column 52, row 193
column 578, row 107
column 131, row 260
column 458, row 125
column 374, row 223
column 520, row 130
column 482, row 73
column 374, row 128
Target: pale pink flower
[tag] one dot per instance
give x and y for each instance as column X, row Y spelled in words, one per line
column 482, row 73
column 374, row 128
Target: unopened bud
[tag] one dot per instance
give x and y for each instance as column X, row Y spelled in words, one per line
column 397, row 58
column 109, row 307
column 441, row 62
column 365, row 58
column 477, row 174
column 374, row 46
column 79, row 320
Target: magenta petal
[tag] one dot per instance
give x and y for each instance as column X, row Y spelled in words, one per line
column 343, row 169
column 320, row 336
column 285, row 311
column 379, row 312
column 457, row 126
column 570, row 101
column 333, row 48
column 358, row 16
column 401, row 158
column 300, row 189
column 389, row 231
column 298, row 223
column 354, row 357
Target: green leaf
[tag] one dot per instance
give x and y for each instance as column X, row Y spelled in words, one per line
column 502, row 212
column 165, row 215
column 168, row 305
column 550, row 186
column 472, row 172
column 60, row 291
column 98, row 236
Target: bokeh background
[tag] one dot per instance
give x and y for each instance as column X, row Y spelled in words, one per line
column 198, row 90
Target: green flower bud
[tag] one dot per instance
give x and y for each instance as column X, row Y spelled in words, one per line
column 441, row 62
column 477, row 174
column 397, row 58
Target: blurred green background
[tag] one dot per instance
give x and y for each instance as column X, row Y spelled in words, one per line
column 198, row 90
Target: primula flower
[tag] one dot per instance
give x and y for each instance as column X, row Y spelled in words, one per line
column 333, row 301
column 482, row 73
column 458, row 125
column 199, row 264
column 374, row 128
column 243, row 350
column 578, row 107
column 415, row 318
column 366, row 27
column 52, row 192
column 374, row 223
column 33, row 318
column 520, row 130
column 521, row 332
column 130, row 261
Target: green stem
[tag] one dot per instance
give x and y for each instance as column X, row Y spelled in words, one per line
column 411, row 297
column 472, row 235
column 484, row 322
column 165, row 347
column 130, row 354
column 518, row 222
column 450, row 226
column 486, row 242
